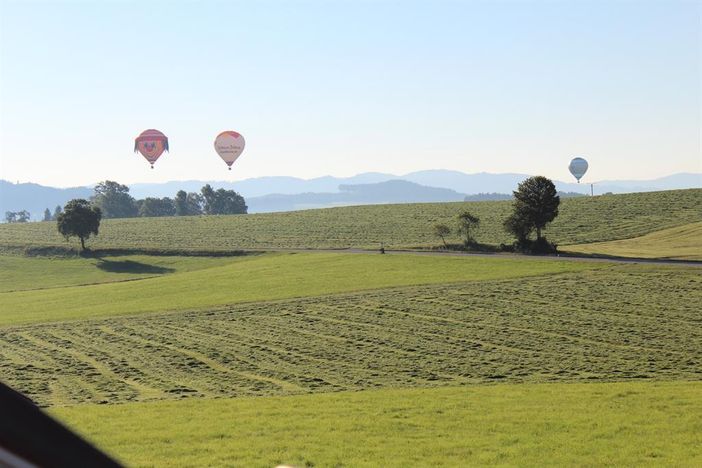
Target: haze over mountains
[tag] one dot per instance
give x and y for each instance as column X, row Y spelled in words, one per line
column 264, row 194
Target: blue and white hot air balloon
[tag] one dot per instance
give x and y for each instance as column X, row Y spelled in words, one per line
column 578, row 167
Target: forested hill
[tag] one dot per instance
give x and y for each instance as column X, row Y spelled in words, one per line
column 36, row 198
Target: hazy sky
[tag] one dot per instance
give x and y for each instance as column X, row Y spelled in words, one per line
column 346, row 87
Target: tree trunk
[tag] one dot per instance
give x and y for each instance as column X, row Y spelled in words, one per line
column 538, row 233
column 444, row 241
column 82, row 243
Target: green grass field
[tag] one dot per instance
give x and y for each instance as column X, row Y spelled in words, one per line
column 348, row 359
column 590, row 325
column 19, row 273
column 611, row 424
column 581, row 220
column 680, row 243
column 246, row 279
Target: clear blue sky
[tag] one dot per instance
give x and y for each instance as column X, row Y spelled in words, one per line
column 346, row 87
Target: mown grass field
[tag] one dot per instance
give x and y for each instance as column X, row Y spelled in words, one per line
column 591, row 325
column 581, row 220
column 679, row 243
column 246, row 279
column 331, row 359
column 604, row 424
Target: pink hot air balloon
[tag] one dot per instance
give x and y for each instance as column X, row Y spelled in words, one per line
column 151, row 144
column 229, row 145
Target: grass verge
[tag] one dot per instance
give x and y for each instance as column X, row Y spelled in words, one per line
column 604, row 424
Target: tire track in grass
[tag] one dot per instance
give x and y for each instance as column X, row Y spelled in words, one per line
column 521, row 331
column 217, row 366
column 94, row 364
column 259, row 364
column 501, row 327
column 83, row 347
column 246, row 339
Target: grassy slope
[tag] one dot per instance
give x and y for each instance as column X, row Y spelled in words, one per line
column 603, row 324
column 627, row 424
column 581, row 220
column 24, row 273
column 260, row 278
column 682, row 243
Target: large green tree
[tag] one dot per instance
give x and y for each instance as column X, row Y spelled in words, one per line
column 187, row 204
column 154, row 207
column 79, row 219
column 222, row 201
column 535, row 205
column 114, row 200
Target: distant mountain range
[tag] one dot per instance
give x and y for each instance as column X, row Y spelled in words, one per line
column 458, row 181
column 391, row 191
column 265, row 194
column 36, row 198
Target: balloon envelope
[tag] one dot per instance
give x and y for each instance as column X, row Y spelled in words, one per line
column 151, row 144
column 229, row 145
column 578, row 167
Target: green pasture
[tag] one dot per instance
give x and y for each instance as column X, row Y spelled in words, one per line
column 616, row 323
column 29, row 273
column 254, row 278
column 602, row 424
column 581, row 220
column 348, row 359
column 680, row 243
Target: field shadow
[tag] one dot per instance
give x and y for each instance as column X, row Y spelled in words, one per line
column 72, row 252
column 473, row 247
column 130, row 266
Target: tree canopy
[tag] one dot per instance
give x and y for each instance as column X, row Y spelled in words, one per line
column 442, row 230
column 467, row 223
column 154, row 207
column 222, row 201
column 114, row 200
column 17, row 216
column 187, row 204
column 535, row 205
column 79, row 219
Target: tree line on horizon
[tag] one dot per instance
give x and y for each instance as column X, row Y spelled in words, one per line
column 81, row 218
column 535, row 205
column 114, row 201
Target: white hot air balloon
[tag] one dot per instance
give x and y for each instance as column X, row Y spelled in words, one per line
column 578, row 167
column 229, row 145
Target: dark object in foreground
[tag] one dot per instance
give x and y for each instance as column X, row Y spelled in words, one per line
column 29, row 437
